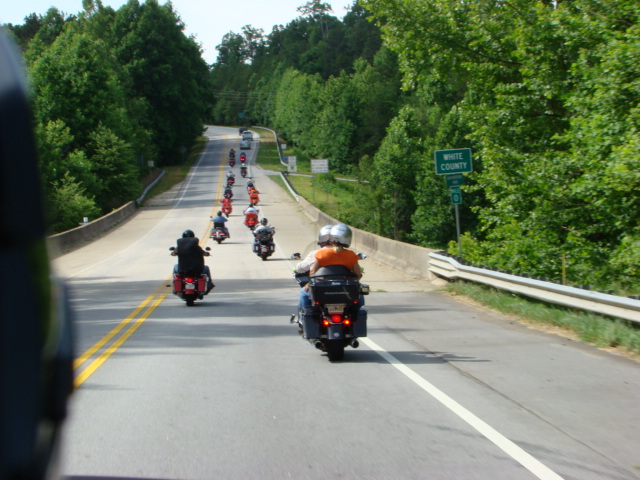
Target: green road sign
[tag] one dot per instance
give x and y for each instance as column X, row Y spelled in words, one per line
column 454, row 179
column 453, row 161
column 456, row 196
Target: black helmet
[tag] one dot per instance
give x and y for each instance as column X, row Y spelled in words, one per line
column 219, row 213
column 188, row 233
column 264, row 221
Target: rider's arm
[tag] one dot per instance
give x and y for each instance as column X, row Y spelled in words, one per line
column 357, row 270
column 314, row 266
column 305, row 264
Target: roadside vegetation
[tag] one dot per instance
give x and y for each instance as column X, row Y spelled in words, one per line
column 116, row 94
column 602, row 332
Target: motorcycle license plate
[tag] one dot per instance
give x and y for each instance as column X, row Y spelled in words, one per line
column 189, row 286
column 335, row 308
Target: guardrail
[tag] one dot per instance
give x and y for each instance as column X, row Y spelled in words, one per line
column 602, row 303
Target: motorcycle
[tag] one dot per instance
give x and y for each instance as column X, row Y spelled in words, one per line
column 228, row 193
column 254, row 198
column 264, row 250
column 230, row 181
column 243, row 171
column 243, row 157
column 232, row 161
column 226, row 209
column 263, row 245
column 251, row 221
column 187, row 286
column 218, row 234
column 336, row 319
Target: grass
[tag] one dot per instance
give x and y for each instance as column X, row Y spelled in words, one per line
column 600, row 331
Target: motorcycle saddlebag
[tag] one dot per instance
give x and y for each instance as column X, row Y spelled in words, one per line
column 177, row 283
column 310, row 324
column 359, row 327
column 202, row 283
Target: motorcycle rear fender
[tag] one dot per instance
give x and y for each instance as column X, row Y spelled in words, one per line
column 335, row 331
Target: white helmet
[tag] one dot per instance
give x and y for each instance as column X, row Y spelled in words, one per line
column 341, row 234
column 325, row 234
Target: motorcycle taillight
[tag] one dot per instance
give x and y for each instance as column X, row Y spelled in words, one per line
column 336, row 318
column 189, row 280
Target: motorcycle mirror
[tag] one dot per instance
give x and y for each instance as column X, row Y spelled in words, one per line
column 208, row 248
column 295, row 256
column 172, row 248
column 362, row 256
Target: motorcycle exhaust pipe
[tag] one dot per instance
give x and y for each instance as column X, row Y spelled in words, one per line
column 318, row 344
column 355, row 343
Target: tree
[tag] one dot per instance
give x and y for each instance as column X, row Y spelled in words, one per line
column 168, row 71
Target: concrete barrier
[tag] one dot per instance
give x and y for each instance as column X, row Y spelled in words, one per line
column 407, row 258
column 66, row 241
column 76, row 237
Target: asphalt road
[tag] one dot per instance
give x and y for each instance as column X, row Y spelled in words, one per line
column 227, row 389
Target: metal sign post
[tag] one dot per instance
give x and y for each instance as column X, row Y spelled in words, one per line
column 452, row 164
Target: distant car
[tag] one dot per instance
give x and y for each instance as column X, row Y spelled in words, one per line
column 241, row 130
column 245, row 145
column 247, row 135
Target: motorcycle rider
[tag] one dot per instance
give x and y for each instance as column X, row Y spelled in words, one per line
column 191, row 257
column 263, row 234
column 339, row 239
column 305, row 266
column 219, row 222
column 226, row 202
column 250, row 213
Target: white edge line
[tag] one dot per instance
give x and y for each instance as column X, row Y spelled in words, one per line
column 514, row 451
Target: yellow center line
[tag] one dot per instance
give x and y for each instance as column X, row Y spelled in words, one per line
column 83, row 358
column 93, row 366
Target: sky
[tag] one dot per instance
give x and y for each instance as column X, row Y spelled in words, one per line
column 207, row 20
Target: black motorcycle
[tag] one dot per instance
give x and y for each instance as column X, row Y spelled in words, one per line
column 336, row 318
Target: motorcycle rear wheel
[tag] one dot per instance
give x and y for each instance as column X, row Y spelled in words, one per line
column 335, row 350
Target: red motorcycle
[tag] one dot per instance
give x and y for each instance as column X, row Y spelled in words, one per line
column 226, row 209
column 251, row 220
column 230, row 181
column 189, row 287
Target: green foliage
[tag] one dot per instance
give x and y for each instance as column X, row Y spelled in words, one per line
column 111, row 90
column 69, row 204
column 167, row 70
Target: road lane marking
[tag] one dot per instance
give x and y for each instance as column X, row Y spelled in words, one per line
column 93, row 366
column 507, row 446
column 83, row 358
